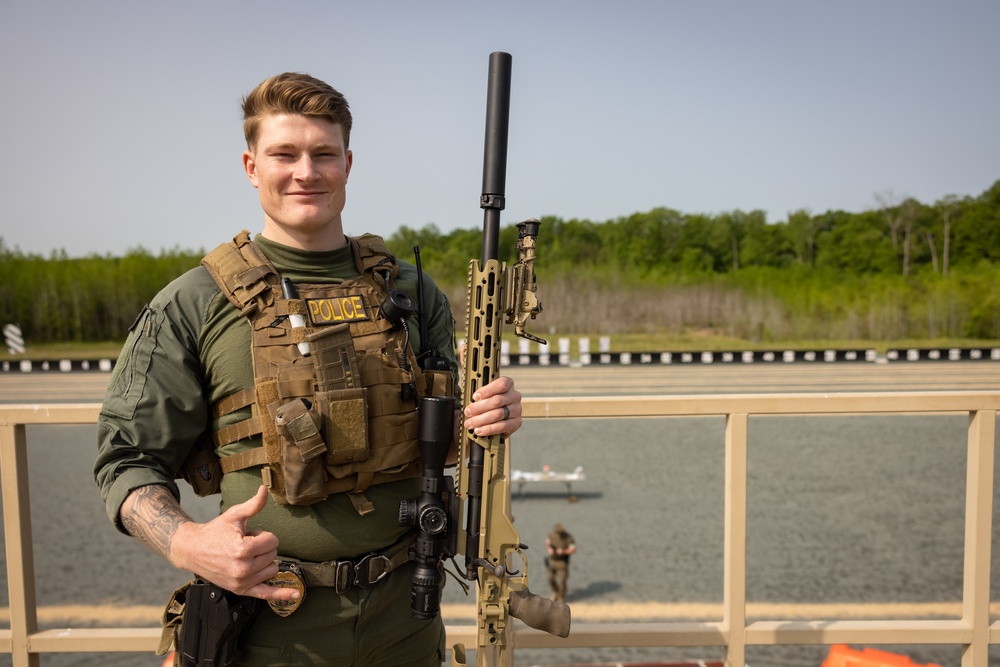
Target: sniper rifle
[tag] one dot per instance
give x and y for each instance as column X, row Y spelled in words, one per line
column 497, row 291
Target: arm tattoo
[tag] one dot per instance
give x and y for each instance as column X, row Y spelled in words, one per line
column 152, row 515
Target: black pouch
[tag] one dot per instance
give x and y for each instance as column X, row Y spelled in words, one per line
column 211, row 620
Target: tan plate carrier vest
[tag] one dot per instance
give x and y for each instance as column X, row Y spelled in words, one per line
column 336, row 420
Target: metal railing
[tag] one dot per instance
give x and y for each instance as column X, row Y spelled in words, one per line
column 973, row 631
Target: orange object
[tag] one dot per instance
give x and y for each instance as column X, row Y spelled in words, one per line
column 169, row 660
column 842, row 655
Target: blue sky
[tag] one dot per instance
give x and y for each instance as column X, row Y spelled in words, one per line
column 121, row 126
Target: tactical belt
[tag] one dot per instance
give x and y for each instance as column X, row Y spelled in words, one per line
column 342, row 575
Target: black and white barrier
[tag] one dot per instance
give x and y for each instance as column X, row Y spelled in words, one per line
column 939, row 354
column 563, row 356
column 61, row 366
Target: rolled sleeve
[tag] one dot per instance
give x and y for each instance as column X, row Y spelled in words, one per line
column 154, row 409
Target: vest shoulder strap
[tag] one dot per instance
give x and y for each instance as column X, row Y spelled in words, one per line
column 370, row 252
column 242, row 272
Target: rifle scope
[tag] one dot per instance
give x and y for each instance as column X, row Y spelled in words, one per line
column 430, row 512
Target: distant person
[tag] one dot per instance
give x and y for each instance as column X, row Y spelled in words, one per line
column 560, row 546
column 296, row 402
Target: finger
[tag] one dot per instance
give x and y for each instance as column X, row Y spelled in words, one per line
column 258, row 570
column 493, row 409
column 261, row 544
column 253, row 572
column 506, row 428
column 490, row 404
column 248, row 508
column 265, row 566
column 493, row 422
column 265, row 592
column 501, row 385
column 508, row 412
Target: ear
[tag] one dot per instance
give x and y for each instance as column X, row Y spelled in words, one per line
column 250, row 167
column 350, row 163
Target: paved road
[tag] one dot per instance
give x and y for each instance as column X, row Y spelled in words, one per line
column 763, row 378
column 54, row 387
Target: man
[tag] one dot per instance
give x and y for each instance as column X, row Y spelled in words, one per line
column 560, row 546
column 220, row 360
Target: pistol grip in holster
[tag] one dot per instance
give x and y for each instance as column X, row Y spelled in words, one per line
column 212, row 622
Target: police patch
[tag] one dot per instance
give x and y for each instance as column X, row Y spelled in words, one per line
column 337, row 309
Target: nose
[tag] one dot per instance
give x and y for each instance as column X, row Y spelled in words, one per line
column 305, row 169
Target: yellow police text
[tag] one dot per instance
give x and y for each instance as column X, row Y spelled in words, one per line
column 338, row 309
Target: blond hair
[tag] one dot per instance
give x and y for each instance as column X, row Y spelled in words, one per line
column 293, row 92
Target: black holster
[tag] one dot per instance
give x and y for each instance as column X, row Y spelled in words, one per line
column 212, row 622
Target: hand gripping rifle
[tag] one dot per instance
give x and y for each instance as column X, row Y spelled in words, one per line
column 497, row 291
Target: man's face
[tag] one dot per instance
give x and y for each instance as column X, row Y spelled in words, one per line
column 300, row 167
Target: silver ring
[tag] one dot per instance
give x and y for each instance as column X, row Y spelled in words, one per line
column 506, row 412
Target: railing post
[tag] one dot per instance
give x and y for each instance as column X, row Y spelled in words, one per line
column 17, row 537
column 735, row 541
column 978, row 536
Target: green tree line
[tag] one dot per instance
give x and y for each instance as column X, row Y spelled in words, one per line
column 903, row 270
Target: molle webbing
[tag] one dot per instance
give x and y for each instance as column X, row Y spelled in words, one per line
column 241, row 429
column 336, row 420
column 233, row 402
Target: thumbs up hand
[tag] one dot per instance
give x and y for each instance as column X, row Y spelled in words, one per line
column 225, row 553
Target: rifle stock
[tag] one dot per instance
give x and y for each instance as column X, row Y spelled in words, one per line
column 495, row 291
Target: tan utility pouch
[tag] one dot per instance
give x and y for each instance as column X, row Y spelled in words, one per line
column 335, row 365
column 343, row 403
column 345, row 423
column 170, row 639
column 302, row 447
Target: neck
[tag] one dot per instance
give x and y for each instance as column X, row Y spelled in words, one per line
column 330, row 237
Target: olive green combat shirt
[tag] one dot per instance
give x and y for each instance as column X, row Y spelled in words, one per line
column 189, row 348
